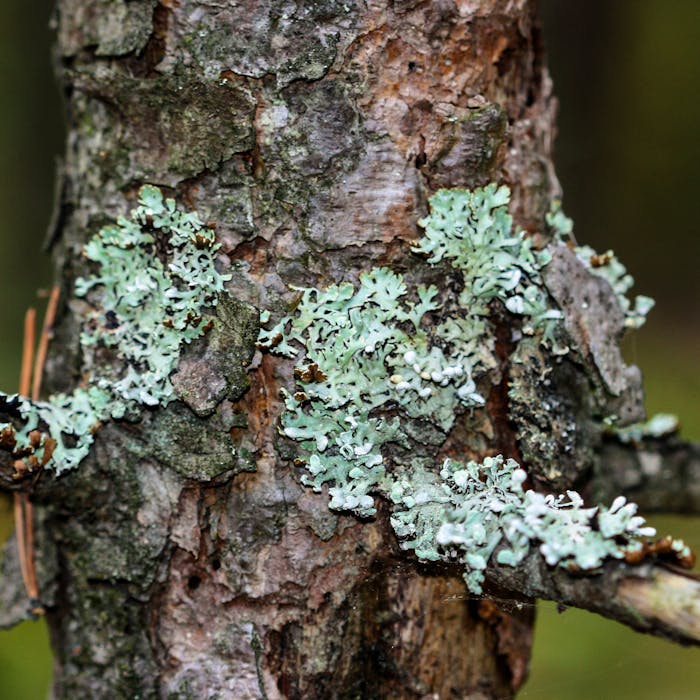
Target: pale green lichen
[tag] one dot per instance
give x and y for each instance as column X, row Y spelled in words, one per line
column 367, row 349
column 372, row 347
column 381, row 349
column 71, row 418
column 155, row 275
column 474, row 232
column 606, row 266
column 145, row 307
column 479, row 508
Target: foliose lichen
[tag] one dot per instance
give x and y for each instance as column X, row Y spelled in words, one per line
column 483, row 507
column 380, row 355
column 365, row 349
column 474, row 232
column 372, row 347
column 155, row 276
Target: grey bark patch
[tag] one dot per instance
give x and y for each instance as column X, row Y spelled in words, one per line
column 110, row 653
column 193, row 447
column 316, row 133
column 214, row 366
column 592, row 315
column 113, row 27
column 159, row 491
column 551, row 404
column 323, row 522
column 374, row 201
column 171, row 126
column 629, row 406
column 134, row 491
column 200, row 665
column 254, row 38
column 594, row 322
column 232, row 203
column 199, row 385
column 324, row 125
column 424, row 432
column 185, row 532
column 472, row 148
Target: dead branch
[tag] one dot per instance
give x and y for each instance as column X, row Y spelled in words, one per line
column 661, row 475
column 651, row 597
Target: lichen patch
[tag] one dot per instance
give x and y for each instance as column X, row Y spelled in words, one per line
column 383, row 362
column 155, row 277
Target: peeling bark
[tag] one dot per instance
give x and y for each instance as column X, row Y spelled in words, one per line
column 312, row 134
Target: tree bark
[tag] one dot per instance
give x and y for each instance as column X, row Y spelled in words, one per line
column 312, row 134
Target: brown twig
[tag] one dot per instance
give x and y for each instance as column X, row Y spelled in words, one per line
column 23, row 508
column 44, row 340
column 652, row 597
column 20, row 499
column 25, row 376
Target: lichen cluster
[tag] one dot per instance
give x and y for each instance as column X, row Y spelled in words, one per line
column 366, row 349
column 372, row 347
column 474, row 232
column 155, row 274
column 379, row 356
column 479, row 509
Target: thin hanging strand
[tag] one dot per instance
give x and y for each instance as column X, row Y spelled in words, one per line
column 22, row 506
column 46, row 335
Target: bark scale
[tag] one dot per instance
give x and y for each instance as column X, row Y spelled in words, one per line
column 312, row 134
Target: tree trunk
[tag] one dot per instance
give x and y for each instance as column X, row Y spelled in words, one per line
column 184, row 558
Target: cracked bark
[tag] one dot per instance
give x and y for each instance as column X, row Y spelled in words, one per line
column 313, row 137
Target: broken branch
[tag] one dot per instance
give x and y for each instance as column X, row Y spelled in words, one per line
column 661, row 475
column 649, row 597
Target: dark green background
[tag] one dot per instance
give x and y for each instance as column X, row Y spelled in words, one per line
column 627, row 73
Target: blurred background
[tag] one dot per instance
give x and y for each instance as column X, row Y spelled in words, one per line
column 627, row 73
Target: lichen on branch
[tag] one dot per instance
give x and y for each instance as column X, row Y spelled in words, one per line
column 379, row 357
column 480, row 509
column 155, row 277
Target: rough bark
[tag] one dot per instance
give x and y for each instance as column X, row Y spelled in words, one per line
column 312, row 134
